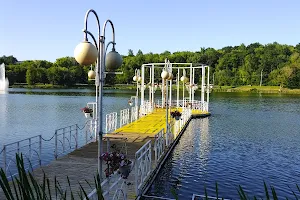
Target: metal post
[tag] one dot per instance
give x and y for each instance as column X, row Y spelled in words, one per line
column 193, row 93
column 4, row 159
column 29, row 140
column 86, row 135
column 170, row 95
column 136, row 171
column 202, row 85
column 55, row 153
column 64, row 140
column 152, row 68
column 208, row 88
column 76, row 135
column 18, row 146
column 167, row 114
column 142, row 85
column 150, row 86
column 40, row 149
column 101, row 82
column 183, row 94
column 191, row 81
column 70, row 137
column 178, row 81
column 163, row 93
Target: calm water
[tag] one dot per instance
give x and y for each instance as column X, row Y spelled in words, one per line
column 29, row 112
column 249, row 138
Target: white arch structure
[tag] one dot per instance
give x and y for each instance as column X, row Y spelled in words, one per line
column 151, row 80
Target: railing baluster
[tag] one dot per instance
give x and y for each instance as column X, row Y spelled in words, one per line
column 86, row 135
column 55, row 153
column 29, row 149
column 76, row 137
column 70, row 141
column 63, row 140
column 4, row 158
column 40, row 150
column 18, row 147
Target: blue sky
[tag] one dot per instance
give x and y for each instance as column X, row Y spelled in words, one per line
column 46, row 30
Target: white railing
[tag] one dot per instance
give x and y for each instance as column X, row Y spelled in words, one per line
column 169, row 135
column 146, row 108
column 111, row 122
column 134, row 113
column 66, row 139
column 62, row 142
column 124, row 117
column 159, row 145
column 31, row 149
column 142, row 165
column 114, row 187
column 195, row 105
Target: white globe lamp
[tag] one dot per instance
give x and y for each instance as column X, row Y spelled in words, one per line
column 85, row 53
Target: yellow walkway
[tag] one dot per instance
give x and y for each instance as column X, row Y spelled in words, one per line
column 149, row 124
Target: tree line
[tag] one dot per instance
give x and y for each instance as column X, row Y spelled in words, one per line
column 275, row 64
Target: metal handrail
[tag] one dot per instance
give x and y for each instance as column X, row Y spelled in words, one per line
column 65, row 140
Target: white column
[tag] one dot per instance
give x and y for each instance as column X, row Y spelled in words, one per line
column 202, row 84
column 193, row 93
column 149, row 87
column 178, row 81
column 163, row 93
column 142, row 85
column 170, row 96
column 152, row 68
column 208, row 87
column 191, row 74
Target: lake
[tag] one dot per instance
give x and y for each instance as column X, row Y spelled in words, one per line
column 248, row 139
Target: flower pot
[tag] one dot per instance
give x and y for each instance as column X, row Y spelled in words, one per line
column 87, row 115
column 177, row 117
column 125, row 170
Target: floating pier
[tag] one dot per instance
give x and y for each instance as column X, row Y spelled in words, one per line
column 145, row 133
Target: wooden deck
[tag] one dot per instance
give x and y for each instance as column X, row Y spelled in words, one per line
column 81, row 165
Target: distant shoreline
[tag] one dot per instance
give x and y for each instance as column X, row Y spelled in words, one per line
column 249, row 89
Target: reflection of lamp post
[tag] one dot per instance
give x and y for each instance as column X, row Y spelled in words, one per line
column 86, row 53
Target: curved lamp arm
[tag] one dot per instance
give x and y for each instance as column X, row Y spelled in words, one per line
column 113, row 32
column 85, row 23
column 90, row 34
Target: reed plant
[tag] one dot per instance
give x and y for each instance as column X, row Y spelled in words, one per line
column 26, row 187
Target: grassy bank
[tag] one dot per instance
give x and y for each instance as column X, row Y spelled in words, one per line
column 256, row 89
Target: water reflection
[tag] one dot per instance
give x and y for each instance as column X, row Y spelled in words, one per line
column 250, row 138
column 203, row 142
column 3, row 112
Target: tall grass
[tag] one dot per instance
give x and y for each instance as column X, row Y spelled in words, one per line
column 27, row 187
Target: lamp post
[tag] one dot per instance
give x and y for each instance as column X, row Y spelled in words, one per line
column 166, row 76
column 86, row 53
